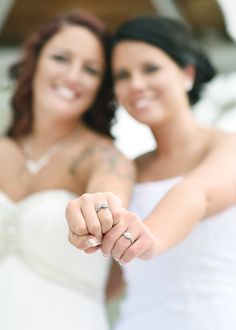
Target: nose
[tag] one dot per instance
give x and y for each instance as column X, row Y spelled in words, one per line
column 73, row 73
column 137, row 82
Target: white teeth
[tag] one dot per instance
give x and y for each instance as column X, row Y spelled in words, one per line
column 142, row 103
column 66, row 92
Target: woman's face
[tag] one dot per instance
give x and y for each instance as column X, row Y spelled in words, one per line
column 148, row 83
column 69, row 73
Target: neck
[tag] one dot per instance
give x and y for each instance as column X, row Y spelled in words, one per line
column 46, row 133
column 177, row 135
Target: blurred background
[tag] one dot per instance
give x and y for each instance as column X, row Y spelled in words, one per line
column 212, row 22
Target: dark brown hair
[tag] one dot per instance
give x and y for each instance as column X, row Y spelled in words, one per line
column 175, row 39
column 100, row 115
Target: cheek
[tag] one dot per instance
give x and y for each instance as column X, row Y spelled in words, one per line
column 92, row 88
column 170, row 84
column 41, row 76
column 120, row 93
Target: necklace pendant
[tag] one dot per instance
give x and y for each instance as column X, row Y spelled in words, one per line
column 35, row 166
column 32, row 167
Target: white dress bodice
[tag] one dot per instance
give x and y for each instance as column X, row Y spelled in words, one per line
column 190, row 287
column 45, row 282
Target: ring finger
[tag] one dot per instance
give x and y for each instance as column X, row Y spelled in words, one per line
column 124, row 242
column 104, row 215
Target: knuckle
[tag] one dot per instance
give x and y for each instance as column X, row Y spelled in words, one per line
column 74, row 240
column 94, row 229
column 85, row 197
column 70, row 237
column 70, row 208
column 78, row 228
column 99, row 194
column 132, row 217
column 110, row 195
column 106, row 219
column 109, row 237
column 106, row 228
column 131, row 253
column 118, row 215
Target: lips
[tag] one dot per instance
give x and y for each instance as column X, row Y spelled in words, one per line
column 141, row 104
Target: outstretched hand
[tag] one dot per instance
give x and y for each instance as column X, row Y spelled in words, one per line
column 98, row 221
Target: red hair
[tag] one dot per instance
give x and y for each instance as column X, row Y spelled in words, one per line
column 100, row 114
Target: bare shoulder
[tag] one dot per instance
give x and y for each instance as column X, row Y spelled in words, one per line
column 6, row 145
column 223, row 139
column 220, row 152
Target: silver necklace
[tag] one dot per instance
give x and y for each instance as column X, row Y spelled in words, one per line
column 35, row 166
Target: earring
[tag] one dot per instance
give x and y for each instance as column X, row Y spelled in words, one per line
column 189, row 86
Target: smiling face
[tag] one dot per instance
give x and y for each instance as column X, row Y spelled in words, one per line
column 148, row 83
column 69, row 73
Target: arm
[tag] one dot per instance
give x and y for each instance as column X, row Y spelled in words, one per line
column 208, row 189
column 115, row 284
column 112, row 172
column 111, row 178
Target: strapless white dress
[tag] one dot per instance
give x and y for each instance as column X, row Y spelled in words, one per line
column 45, row 282
column 190, row 287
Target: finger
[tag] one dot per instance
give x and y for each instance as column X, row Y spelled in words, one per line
column 124, row 242
column 105, row 217
column 134, row 250
column 84, row 242
column 75, row 219
column 116, row 208
column 91, row 218
column 110, row 238
column 92, row 249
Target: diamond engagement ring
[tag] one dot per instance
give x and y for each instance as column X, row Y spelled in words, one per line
column 101, row 206
column 129, row 236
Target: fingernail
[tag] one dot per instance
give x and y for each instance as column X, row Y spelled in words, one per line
column 105, row 255
column 92, row 242
column 116, row 259
column 120, row 263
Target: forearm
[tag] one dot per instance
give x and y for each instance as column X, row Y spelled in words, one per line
column 115, row 284
column 177, row 214
column 121, row 187
column 118, row 179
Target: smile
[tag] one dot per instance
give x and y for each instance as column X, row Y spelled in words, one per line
column 142, row 104
column 66, row 93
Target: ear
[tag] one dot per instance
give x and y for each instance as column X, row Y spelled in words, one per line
column 190, row 73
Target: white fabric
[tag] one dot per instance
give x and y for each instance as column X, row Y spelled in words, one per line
column 228, row 8
column 193, row 286
column 45, row 282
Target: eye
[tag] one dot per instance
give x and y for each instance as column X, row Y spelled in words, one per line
column 93, row 71
column 60, row 58
column 150, row 68
column 121, row 75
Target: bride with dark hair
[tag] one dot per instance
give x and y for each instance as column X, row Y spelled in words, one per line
column 186, row 189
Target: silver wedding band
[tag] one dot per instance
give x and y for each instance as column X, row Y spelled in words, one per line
column 101, row 206
column 128, row 236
